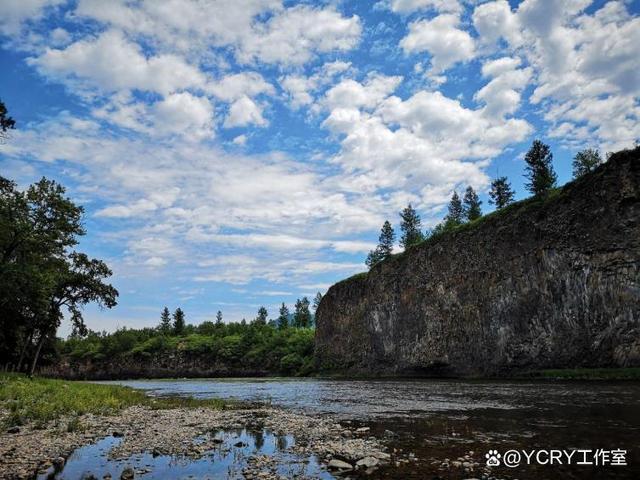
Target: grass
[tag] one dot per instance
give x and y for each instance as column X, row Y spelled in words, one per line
column 42, row 400
column 629, row 373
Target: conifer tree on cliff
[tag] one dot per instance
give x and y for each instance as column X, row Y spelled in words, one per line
column 165, row 321
column 410, row 226
column 471, row 205
column 585, row 161
column 261, row 319
column 6, row 122
column 178, row 322
column 219, row 319
column 501, row 193
column 455, row 214
column 540, row 173
column 302, row 315
column 385, row 245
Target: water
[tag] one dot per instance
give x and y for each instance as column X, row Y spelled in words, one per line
column 446, row 419
column 227, row 460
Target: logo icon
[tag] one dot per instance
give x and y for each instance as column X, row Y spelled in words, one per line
column 493, row 458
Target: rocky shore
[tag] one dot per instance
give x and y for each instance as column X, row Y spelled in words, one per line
column 26, row 452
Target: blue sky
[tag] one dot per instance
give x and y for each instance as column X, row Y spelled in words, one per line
column 232, row 154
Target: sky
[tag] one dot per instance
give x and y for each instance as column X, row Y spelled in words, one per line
column 237, row 153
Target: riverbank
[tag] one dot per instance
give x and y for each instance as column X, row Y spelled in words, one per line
column 44, row 421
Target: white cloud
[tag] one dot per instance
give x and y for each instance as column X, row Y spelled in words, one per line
column 233, row 87
column 409, row 6
column 442, row 38
column 13, row 13
column 502, row 94
column 111, row 62
column 292, row 36
column 243, row 112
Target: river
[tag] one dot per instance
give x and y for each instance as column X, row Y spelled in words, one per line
column 443, row 420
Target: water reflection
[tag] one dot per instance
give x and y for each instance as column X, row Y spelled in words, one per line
column 226, row 461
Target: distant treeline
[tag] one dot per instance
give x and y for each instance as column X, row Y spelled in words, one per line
column 282, row 346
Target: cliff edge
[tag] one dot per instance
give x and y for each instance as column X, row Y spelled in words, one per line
column 543, row 283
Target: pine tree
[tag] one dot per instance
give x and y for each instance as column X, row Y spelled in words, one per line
column 302, row 315
column 411, row 227
column 471, row 205
column 219, row 318
column 385, row 245
column 178, row 322
column 585, row 161
column 165, row 321
column 261, row 319
column 316, row 301
column 387, row 238
column 501, row 193
column 540, row 173
column 455, row 211
column 283, row 318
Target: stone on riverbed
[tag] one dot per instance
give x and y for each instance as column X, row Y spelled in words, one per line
column 336, row 464
column 368, row 462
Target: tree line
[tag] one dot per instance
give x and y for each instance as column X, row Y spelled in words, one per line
column 541, row 179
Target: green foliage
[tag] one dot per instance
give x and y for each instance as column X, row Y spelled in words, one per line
column 41, row 275
column 302, row 315
column 262, row 316
column 585, row 161
column 540, row 174
column 455, row 215
column 6, row 122
column 165, row 321
column 42, row 400
column 385, row 245
column 283, row 318
column 471, row 205
column 501, row 193
column 256, row 347
column 411, row 227
column 178, row 322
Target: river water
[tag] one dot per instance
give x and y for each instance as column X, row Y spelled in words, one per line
column 447, row 419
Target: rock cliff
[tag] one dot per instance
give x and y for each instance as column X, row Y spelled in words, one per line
column 544, row 283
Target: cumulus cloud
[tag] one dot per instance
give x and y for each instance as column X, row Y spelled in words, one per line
column 577, row 60
column 442, row 38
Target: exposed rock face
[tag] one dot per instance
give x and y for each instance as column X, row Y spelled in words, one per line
column 543, row 284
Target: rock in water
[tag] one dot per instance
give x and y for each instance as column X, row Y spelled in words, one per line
column 127, row 474
column 545, row 283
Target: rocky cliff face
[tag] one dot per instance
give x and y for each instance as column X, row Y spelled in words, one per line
column 542, row 284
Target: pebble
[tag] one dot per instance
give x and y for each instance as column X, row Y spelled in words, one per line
column 336, row 464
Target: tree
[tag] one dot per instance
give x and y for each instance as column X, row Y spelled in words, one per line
column 585, row 161
column 6, row 122
column 302, row 315
column 219, row 319
column 540, row 173
column 261, row 319
column 178, row 321
column 411, row 227
column 471, row 205
column 40, row 272
column 455, row 211
column 316, row 301
column 283, row 318
column 501, row 193
column 165, row 322
column 385, row 245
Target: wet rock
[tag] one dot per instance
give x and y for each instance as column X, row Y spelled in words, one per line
column 362, row 430
column 127, row 474
column 13, row 430
column 336, row 464
column 58, row 463
column 240, row 444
